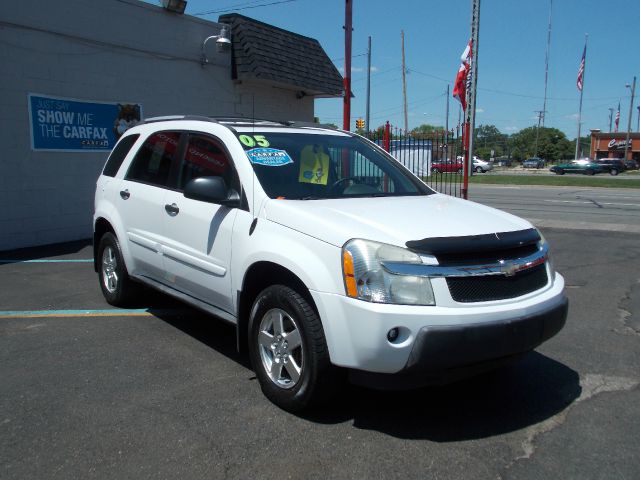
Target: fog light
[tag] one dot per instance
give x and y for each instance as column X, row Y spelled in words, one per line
column 392, row 334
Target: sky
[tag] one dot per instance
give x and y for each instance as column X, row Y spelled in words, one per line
column 511, row 61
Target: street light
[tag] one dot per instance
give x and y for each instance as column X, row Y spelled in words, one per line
column 633, row 92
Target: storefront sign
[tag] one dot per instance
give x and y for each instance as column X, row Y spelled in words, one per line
column 64, row 124
column 619, row 143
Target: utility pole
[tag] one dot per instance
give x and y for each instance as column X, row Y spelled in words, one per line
column 446, row 126
column 540, row 115
column 638, row 126
column 546, row 63
column 446, row 121
column 368, row 85
column 346, row 106
column 404, row 85
column 610, row 118
column 633, row 92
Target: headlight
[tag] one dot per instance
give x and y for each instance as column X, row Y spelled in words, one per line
column 366, row 279
column 542, row 243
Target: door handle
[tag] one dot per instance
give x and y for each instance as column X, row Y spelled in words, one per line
column 172, row 209
column 125, row 194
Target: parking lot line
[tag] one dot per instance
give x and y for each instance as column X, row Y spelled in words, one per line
column 116, row 312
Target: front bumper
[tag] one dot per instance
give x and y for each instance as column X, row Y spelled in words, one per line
column 446, row 354
column 436, row 339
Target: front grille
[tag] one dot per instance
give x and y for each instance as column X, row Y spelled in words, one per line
column 497, row 287
column 490, row 256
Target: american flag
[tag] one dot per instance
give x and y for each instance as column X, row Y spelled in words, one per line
column 579, row 82
column 617, row 121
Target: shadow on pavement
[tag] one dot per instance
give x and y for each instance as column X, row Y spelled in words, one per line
column 524, row 393
column 514, row 397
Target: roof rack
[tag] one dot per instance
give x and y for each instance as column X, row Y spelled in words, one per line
column 241, row 120
column 166, row 118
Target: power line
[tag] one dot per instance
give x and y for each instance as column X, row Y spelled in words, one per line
column 239, row 6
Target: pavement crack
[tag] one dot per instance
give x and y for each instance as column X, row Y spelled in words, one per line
column 627, row 305
column 592, row 385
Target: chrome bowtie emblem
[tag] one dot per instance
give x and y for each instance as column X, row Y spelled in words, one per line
column 508, row 269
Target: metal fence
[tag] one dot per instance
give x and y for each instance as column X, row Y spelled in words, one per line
column 435, row 157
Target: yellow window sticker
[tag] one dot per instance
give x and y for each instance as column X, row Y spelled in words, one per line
column 314, row 165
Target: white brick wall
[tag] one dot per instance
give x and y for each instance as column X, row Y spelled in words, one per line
column 48, row 196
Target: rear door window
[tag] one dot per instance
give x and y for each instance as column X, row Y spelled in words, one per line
column 152, row 163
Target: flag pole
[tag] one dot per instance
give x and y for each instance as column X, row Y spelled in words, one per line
column 471, row 97
column 584, row 67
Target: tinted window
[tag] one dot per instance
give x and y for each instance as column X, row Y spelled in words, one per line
column 152, row 163
column 204, row 157
column 117, row 155
column 318, row 166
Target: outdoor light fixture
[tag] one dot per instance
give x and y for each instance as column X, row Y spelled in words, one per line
column 223, row 43
column 175, row 6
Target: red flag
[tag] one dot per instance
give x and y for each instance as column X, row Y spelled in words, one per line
column 579, row 82
column 463, row 78
column 617, row 117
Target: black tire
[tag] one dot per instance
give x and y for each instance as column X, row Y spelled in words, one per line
column 479, row 170
column 277, row 363
column 435, row 170
column 459, row 170
column 590, row 172
column 116, row 286
column 559, row 171
column 613, row 171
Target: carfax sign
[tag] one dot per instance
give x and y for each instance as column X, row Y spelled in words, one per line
column 65, row 124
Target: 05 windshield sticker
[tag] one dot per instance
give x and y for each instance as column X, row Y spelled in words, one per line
column 269, row 157
column 250, row 141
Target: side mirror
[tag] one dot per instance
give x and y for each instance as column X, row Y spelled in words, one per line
column 211, row 190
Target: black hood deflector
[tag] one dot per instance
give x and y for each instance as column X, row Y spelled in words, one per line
column 474, row 243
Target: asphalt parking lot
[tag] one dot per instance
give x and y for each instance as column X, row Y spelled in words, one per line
column 158, row 391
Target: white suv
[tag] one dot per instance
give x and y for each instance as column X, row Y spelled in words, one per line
column 326, row 253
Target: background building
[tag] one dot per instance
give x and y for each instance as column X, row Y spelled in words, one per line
column 612, row 144
column 77, row 73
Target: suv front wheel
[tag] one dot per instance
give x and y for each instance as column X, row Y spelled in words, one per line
column 288, row 350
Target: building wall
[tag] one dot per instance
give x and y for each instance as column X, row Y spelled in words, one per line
column 103, row 51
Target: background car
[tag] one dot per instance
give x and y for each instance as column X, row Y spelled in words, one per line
column 533, row 162
column 631, row 165
column 447, row 166
column 481, row 166
column 612, row 165
column 586, row 167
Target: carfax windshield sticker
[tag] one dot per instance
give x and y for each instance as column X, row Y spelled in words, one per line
column 269, row 157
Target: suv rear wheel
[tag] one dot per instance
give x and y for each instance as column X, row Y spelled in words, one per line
column 115, row 284
column 613, row 171
column 288, row 350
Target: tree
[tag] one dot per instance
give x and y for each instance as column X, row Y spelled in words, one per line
column 426, row 128
column 551, row 144
column 488, row 138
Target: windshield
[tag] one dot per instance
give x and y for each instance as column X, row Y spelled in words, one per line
column 313, row 166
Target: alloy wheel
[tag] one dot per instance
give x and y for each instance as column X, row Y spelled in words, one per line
column 280, row 346
column 110, row 269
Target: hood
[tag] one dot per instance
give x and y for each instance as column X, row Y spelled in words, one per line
column 392, row 220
